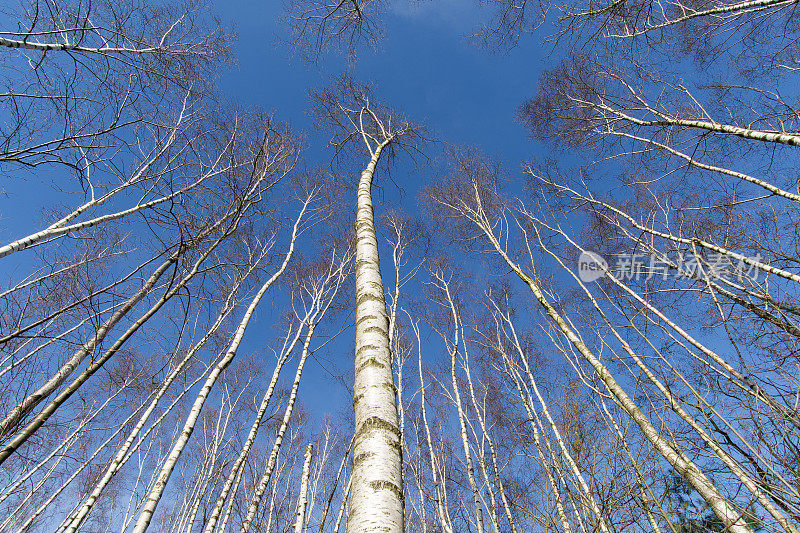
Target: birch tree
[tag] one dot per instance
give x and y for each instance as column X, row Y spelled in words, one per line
column 376, row 493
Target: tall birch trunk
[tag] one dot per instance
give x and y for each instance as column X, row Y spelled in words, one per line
column 122, row 453
column 457, row 398
column 345, row 499
column 300, row 520
column 481, row 420
column 376, row 497
column 266, row 477
column 439, row 494
column 18, row 412
column 33, row 400
column 333, row 490
column 234, row 476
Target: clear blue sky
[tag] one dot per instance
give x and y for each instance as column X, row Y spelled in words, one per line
column 424, row 66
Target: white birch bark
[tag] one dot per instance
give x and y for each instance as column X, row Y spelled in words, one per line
column 54, row 315
column 640, row 482
column 60, row 228
column 300, row 520
column 59, row 452
column 51, row 341
column 34, row 399
column 232, row 480
column 106, row 254
column 713, row 168
column 266, row 477
column 55, row 493
column 536, row 437
column 582, row 484
column 747, row 383
column 377, row 486
column 713, row 126
column 342, row 506
column 53, row 232
column 320, row 293
column 492, row 453
column 453, row 347
column 675, row 405
column 122, row 453
column 717, row 11
column 333, row 490
column 441, row 508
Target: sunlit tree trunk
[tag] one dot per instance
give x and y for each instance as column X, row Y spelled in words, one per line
column 234, row 476
column 300, row 520
column 438, row 487
column 322, row 294
column 122, row 453
column 376, row 494
column 453, row 347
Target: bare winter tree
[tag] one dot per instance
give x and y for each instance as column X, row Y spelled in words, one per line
column 376, row 494
column 341, row 25
column 120, row 301
column 684, row 168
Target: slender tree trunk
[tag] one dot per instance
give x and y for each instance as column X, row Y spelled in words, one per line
column 640, row 482
column 377, row 486
column 584, row 486
column 438, row 492
column 300, row 521
column 675, row 405
column 457, row 398
column 235, row 474
column 266, row 477
column 122, row 453
column 333, row 490
column 545, row 461
column 343, row 505
column 30, row 402
column 481, row 420
column 36, row 398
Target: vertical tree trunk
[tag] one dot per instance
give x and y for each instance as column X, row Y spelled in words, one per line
column 481, row 420
column 377, row 487
column 327, row 507
column 322, row 297
column 460, row 410
column 303, row 499
column 345, row 499
column 266, row 477
column 438, row 494
column 234, row 476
